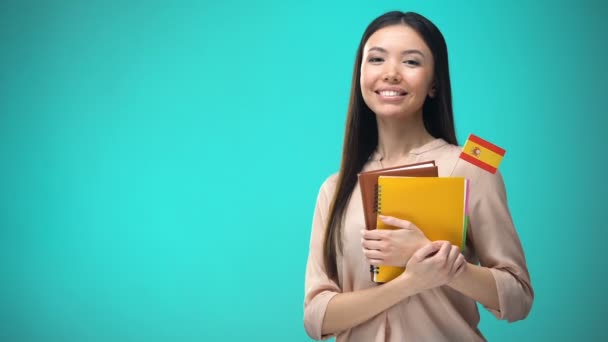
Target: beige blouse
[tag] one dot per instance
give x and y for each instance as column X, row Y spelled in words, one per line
column 440, row 314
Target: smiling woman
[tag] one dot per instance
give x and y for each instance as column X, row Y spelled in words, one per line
column 400, row 112
column 386, row 69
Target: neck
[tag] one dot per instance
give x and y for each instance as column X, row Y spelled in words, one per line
column 398, row 136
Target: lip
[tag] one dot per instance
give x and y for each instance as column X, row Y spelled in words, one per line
column 397, row 89
column 397, row 98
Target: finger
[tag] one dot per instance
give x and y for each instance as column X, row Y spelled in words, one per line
column 393, row 221
column 375, row 262
column 460, row 263
column 453, row 254
column 372, row 244
column 458, row 272
column 371, row 254
column 452, row 257
column 425, row 251
column 396, row 222
column 444, row 250
column 374, row 234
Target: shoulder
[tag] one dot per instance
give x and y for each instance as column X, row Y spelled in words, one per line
column 326, row 192
column 483, row 184
column 328, row 186
column 455, row 166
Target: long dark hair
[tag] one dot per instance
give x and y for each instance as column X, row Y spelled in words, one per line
column 361, row 135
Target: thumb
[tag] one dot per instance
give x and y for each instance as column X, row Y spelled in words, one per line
column 423, row 252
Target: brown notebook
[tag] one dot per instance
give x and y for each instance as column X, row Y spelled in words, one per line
column 368, row 182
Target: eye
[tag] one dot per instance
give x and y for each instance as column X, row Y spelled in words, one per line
column 411, row 62
column 375, row 60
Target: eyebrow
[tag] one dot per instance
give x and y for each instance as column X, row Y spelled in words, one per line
column 404, row 52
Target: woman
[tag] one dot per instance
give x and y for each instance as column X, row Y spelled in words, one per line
column 400, row 112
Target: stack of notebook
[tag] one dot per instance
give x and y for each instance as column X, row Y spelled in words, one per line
column 414, row 192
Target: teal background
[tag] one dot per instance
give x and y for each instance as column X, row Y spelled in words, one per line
column 160, row 162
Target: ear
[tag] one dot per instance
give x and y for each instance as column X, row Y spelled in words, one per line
column 433, row 90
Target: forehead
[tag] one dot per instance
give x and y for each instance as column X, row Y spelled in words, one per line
column 396, row 38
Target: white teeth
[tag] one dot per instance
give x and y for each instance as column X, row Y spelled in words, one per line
column 389, row 93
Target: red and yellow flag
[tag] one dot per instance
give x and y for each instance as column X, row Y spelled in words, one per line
column 482, row 153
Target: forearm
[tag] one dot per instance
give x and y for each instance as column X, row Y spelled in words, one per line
column 350, row 309
column 478, row 283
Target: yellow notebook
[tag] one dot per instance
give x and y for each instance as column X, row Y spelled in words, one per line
column 436, row 205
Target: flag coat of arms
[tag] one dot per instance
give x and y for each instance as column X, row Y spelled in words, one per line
column 482, row 153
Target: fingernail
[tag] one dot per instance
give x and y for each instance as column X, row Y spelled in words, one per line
column 382, row 217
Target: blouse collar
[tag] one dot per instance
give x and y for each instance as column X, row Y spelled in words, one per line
column 431, row 145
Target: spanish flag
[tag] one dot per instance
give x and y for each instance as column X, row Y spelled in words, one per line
column 482, row 153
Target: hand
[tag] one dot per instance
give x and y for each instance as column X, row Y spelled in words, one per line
column 392, row 247
column 435, row 264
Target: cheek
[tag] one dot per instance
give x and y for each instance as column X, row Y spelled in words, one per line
column 368, row 78
column 421, row 81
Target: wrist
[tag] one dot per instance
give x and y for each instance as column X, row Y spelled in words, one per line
column 458, row 278
column 408, row 284
column 420, row 245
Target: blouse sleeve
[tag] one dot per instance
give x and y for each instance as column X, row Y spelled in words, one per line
column 498, row 247
column 319, row 289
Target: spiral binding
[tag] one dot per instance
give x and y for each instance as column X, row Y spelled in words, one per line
column 378, row 199
column 378, row 208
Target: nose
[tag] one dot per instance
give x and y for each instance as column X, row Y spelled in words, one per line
column 392, row 76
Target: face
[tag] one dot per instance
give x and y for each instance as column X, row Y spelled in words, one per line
column 396, row 72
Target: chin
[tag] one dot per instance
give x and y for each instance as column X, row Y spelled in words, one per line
column 391, row 114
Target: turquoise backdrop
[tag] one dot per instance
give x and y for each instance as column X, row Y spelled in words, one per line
column 160, row 161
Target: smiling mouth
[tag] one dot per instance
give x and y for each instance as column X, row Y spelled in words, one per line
column 390, row 93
